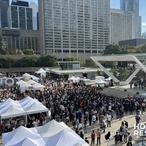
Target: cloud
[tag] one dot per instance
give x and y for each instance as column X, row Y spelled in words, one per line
column 144, row 24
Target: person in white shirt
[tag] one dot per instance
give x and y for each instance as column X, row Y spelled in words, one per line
column 109, row 117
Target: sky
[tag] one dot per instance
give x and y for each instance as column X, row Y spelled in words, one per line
column 142, row 11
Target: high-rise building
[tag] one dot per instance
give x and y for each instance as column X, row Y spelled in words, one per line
column 74, row 27
column 133, row 5
column 122, row 25
column 20, row 15
column 19, row 39
column 4, row 4
column 34, row 7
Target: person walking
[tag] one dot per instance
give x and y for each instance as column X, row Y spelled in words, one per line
column 125, row 133
column 137, row 118
column 117, row 138
column 107, row 137
column 109, row 118
column 93, row 138
column 98, row 134
column 129, row 143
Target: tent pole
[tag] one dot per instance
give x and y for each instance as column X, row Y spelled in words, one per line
column 26, row 120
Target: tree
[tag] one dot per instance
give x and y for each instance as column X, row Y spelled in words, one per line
column 26, row 62
column 81, row 60
column 90, row 63
column 141, row 49
column 111, row 64
column 127, row 49
column 70, row 58
column 3, row 51
column 46, row 61
column 6, row 62
column 29, row 52
column 112, row 49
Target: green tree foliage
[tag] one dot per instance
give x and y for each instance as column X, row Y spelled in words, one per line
column 26, row 62
column 6, row 62
column 111, row 64
column 81, row 60
column 3, row 51
column 70, row 58
column 46, row 61
column 90, row 63
column 29, row 52
column 112, row 49
column 141, row 49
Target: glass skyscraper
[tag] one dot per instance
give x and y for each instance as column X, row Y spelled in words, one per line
column 74, row 27
column 20, row 16
column 4, row 4
column 133, row 5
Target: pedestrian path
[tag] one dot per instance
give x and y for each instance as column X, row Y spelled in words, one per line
column 114, row 128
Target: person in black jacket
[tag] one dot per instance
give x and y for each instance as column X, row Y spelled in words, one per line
column 107, row 137
column 117, row 138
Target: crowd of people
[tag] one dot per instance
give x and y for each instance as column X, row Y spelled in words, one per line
column 78, row 106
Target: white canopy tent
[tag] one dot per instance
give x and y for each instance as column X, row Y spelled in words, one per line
column 74, row 79
column 18, row 135
column 108, row 79
column 100, row 81
column 12, row 111
column 30, row 142
column 28, row 76
column 42, row 72
column 11, row 108
column 62, row 136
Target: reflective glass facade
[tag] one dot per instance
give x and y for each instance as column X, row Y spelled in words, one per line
column 20, row 17
column 3, row 13
column 76, row 26
column 133, row 5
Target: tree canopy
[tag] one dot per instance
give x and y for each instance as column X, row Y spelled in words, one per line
column 115, row 49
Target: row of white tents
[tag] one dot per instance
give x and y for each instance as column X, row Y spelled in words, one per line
column 30, row 85
column 11, row 108
column 29, row 82
column 51, row 134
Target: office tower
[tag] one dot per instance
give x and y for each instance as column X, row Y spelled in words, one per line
column 34, row 7
column 133, row 5
column 20, row 15
column 74, row 27
column 4, row 4
column 122, row 25
column 19, row 39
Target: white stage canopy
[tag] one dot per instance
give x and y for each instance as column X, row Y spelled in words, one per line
column 43, row 136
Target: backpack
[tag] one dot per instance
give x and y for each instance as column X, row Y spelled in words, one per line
column 137, row 118
column 93, row 135
column 130, row 138
column 106, row 137
column 81, row 134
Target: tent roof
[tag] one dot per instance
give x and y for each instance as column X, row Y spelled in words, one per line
column 31, row 142
column 50, row 128
column 36, row 136
column 12, row 111
column 19, row 134
column 35, row 108
column 63, row 138
column 40, row 71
